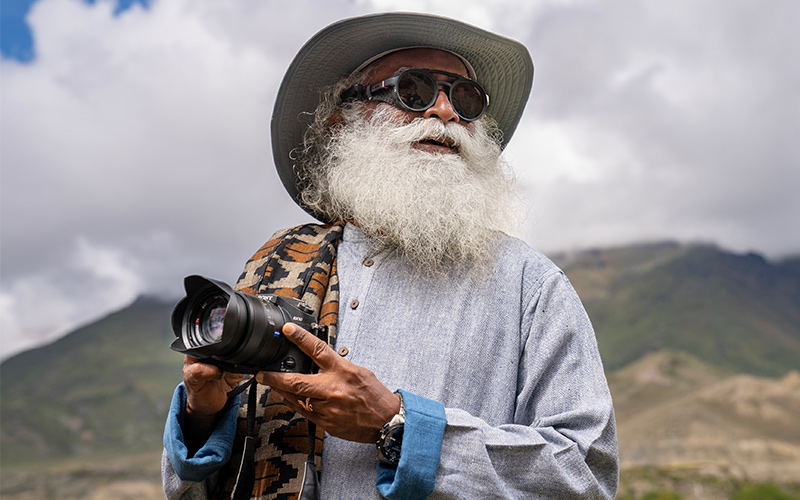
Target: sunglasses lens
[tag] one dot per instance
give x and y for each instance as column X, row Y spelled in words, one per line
column 416, row 90
column 419, row 91
column 467, row 100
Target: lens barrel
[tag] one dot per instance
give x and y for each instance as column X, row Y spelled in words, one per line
column 234, row 330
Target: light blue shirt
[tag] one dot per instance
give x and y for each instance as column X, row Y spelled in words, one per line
column 511, row 359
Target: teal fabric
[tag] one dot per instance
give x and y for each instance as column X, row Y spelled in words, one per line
column 213, row 454
column 415, row 475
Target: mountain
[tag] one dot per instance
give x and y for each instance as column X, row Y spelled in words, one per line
column 104, row 387
column 701, row 347
column 672, row 408
column 791, row 262
column 739, row 312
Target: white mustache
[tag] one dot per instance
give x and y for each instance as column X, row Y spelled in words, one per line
column 399, row 134
column 432, row 129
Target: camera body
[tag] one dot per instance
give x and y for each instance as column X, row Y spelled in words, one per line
column 238, row 332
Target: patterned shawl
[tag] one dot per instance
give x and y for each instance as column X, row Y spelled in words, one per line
column 301, row 263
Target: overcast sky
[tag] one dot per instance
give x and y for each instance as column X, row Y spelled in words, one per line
column 135, row 140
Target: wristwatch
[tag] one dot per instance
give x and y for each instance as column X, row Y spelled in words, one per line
column 391, row 437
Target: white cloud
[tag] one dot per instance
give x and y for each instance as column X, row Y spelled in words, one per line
column 148, row 136
column 663, row 121
column 136, row 148
column 90, row 281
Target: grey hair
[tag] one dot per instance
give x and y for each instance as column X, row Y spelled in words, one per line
column 316, row 140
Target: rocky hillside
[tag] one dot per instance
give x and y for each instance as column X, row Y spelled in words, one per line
column 674, row 409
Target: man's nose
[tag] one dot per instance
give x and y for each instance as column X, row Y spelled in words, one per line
column 442, row 109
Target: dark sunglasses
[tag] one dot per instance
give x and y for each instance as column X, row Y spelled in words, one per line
column 417, row 90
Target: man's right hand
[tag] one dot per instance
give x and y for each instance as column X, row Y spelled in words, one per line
column 207, row 388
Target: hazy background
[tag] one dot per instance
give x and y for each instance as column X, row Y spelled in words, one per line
column 135, row 136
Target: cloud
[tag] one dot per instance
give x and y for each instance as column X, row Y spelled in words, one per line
column 146, row 135
column 91, row 280
column 656, row 121
column 136, row 147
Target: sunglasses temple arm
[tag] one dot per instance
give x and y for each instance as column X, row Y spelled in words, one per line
column 358, row 92
column 354, row 93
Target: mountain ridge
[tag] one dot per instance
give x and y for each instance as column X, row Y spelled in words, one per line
column 105, row 388
column 739, row 311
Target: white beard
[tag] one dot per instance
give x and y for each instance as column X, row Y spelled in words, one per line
column 435, row 209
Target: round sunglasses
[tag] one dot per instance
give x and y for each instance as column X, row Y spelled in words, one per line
column 417, row 90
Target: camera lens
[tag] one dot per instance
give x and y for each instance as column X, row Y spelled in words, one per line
column 235, row 330
column 206, row 320
column 209, row 325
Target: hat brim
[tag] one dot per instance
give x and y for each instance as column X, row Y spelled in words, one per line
column 502, row 66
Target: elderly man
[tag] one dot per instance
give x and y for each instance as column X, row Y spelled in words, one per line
column 464, row 354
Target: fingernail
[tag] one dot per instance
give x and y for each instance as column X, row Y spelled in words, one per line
column 288, row 328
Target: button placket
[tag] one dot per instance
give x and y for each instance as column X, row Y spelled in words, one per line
column 366, row 272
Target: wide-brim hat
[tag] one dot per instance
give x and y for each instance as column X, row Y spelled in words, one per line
column 502, row 66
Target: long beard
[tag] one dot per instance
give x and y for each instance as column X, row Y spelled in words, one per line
column 434, row 209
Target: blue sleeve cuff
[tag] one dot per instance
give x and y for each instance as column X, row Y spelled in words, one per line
column 415, row 475
column 214, row 453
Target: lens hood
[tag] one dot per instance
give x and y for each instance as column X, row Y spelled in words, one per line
column 237, row 331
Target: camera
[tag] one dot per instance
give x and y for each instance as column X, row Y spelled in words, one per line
column 238, row 332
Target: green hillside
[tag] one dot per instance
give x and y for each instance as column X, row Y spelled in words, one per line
column 735, row 311
column 105, row 387
column 791, row 262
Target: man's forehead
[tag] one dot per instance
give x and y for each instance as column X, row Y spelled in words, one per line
column 420, row 57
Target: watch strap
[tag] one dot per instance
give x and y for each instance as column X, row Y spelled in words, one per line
column 390, row 438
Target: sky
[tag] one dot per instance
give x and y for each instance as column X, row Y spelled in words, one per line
column 134, row 136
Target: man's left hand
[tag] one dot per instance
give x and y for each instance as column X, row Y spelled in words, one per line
column 345, row 399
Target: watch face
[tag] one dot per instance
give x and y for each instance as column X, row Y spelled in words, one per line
column 392, row 443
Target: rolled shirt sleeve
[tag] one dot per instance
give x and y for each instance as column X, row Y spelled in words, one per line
column 212, row 455
column 415, row 475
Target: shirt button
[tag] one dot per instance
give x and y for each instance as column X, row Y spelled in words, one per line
column 353, row 304
column 343, row 351
column 368, row 262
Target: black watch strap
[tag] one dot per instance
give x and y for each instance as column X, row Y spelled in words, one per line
column 390, row 440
